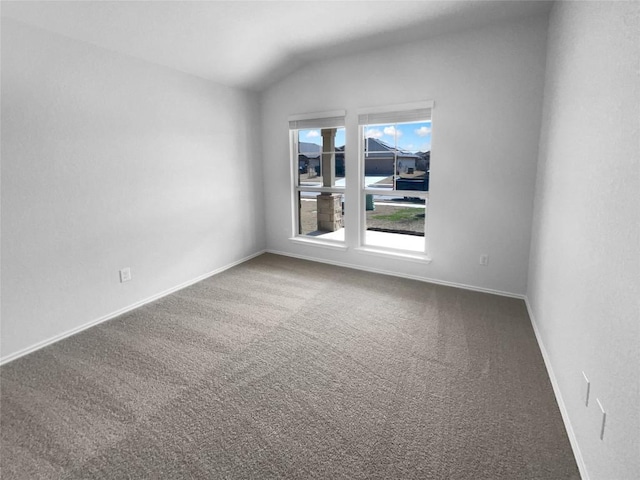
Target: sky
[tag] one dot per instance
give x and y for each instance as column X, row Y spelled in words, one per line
column 313, row 136
column 414, row 137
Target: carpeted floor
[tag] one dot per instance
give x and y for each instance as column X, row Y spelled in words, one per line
column 282, row 368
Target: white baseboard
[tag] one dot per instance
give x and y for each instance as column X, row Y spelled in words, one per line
column 556, row 390
column 554, row 383
column 73, row 331
column 401, row 275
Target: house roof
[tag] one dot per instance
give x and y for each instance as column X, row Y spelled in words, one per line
column 375, row 148
column 309, row 150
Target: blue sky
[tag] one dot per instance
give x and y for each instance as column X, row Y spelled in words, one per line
column 413, row 137
column 313, row 136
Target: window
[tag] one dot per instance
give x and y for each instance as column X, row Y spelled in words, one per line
column 395, row 163
column 318, row 163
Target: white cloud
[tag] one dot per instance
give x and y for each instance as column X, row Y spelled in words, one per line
column 425, row 147
column 423, row 131
column 313, row 134
column 373, row 133
column 392, row 132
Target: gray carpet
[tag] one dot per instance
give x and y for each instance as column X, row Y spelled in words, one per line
column 282, row 368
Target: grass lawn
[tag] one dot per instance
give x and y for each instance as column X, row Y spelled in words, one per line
column 387, row 216
column 401, row 215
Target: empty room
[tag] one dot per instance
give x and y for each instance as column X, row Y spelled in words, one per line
column 320, row 240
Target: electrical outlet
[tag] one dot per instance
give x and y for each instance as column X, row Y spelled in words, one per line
column 586, row 389
column 484, row 259
column 604, row 419
column 125, row 275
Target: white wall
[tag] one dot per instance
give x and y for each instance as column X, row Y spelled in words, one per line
column 487, row 86
column 111, row 162
column 584, row 278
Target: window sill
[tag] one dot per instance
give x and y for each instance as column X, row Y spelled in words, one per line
column 319, row 243
column 400, row 255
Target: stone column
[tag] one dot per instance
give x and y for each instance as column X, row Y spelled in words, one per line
column 328, row 168
column 329, row 206
column 329, row 212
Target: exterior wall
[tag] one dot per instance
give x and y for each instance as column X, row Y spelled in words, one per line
column 378, row 166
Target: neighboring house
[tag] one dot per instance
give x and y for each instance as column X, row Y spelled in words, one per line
column 425, row 161
column 340, row 161
column 379, row 158
column 309, row 158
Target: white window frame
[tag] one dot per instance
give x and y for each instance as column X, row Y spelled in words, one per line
column 400, row 113
column 306, row 121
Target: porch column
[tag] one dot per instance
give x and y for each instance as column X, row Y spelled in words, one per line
column 328, row 157
column 329, row 206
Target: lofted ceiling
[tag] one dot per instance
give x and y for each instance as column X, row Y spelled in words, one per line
column 251, row 44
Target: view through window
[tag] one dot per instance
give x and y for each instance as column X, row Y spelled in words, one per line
column 320, row 178
column 396, row 156
column 395, row 161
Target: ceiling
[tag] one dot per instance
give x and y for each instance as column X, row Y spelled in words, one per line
column 251, row 44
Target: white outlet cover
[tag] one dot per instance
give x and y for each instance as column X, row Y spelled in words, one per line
column 604, row 419
column 484, row 259
column 125, row 275
column 586, row 389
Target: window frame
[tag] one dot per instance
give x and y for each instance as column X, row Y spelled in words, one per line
column 317, row 121
column 390, row 115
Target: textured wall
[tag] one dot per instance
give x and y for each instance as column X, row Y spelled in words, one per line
column 584, row 280
column 487, row 86
column 110, row 162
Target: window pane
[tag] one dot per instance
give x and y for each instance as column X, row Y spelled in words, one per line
column 394, row 152
column 395, row 222
column 380, row 153
column 321, row 157
column 321, row 215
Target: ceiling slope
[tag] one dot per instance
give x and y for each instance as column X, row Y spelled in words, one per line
column 250, row 44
